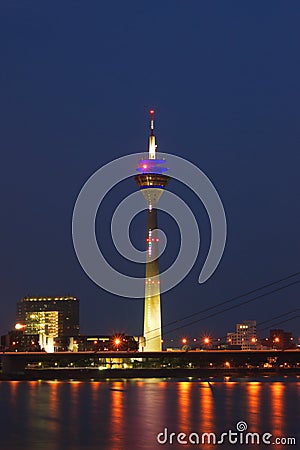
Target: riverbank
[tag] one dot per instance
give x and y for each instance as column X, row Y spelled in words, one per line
column 178, row 373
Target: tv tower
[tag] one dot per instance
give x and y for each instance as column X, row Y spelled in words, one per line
column 152, row 182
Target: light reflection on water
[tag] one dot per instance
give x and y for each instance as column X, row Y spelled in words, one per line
column 277, row 395
column 117, row 415
column 207, row 407
column 184, row 404
column 254, row 399
column 121, row 415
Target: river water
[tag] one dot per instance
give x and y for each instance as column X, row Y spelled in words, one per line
column 130, row 414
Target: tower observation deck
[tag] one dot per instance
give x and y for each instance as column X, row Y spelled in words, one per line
column 152, row 181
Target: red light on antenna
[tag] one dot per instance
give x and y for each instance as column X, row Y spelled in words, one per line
column 151, row 111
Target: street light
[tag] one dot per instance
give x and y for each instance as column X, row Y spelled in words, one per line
column 117, row 342
column 20, row 326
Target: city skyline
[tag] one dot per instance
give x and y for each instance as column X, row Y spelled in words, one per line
column 85, row 278
column 258, row 333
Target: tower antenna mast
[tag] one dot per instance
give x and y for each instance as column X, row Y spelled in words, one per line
column 152, row 145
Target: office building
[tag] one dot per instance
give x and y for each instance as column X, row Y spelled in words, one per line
column 279, row 339
column 245, row 335
column 48, row 317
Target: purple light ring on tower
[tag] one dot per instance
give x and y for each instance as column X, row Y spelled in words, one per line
column 151, row 166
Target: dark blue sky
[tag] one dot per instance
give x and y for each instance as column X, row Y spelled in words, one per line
column 76, row 82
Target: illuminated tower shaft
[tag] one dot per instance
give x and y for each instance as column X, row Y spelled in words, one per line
column 152, row 308
column 152, row 182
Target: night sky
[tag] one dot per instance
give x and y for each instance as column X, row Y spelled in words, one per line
column 76, row 82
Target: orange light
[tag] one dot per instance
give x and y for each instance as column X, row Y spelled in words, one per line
column 95, row 342
column 227, row 364
column 276, row 339
column 184, row 341
column 117, row 341
column 206, row 340
column 253, row 339
column 19, row 326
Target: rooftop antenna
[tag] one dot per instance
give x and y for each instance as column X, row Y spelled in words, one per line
column 152, row 146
